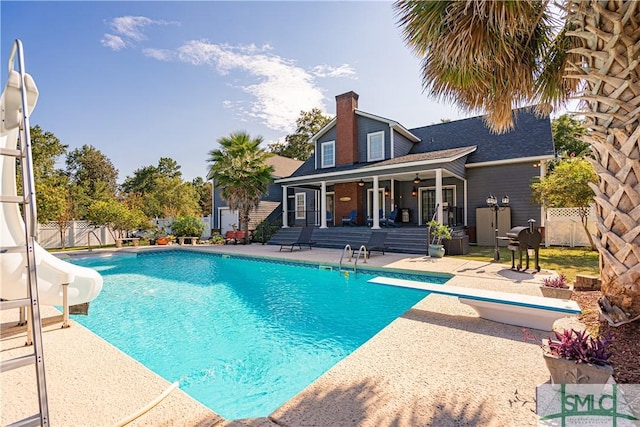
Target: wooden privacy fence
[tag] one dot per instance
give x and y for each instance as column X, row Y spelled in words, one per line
column 563, row 227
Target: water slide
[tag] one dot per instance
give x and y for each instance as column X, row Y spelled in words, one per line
column 84, row 284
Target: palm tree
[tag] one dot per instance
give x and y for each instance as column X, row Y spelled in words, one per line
column 238, row 168
column 492, row 56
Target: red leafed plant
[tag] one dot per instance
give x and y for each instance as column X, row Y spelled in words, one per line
column 556, row 282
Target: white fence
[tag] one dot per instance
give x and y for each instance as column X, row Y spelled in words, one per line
column 563, row 227
column 81, row 233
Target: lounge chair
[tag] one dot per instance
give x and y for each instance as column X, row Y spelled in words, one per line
column 377, row 242
column 391, row 221
column 351, row 219
column 303, row 239
column 380, row 215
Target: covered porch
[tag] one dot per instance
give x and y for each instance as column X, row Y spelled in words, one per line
column 421, row 187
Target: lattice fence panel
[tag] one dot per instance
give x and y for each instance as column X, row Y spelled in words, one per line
column 563, row 227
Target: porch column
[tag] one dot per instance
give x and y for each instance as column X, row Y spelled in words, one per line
column 439, row 194
column 464, row 190
column 376, row 205
column 323, row 204
column 285, row 200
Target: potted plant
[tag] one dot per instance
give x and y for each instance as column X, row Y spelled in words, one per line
column 437, row 232
column 575, row 357
column 556, row 287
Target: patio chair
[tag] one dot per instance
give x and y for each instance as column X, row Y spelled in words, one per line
column 329, row 218
column 391, row 221
column 377, row 242
column 380, row 215
column 351, row 219
column 303, row 239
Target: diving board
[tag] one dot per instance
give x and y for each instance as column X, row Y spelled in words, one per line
column 506, row 307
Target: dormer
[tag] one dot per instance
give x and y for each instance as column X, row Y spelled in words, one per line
column 355, row 137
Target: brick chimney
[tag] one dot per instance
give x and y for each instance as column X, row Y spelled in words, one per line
column 346, row 128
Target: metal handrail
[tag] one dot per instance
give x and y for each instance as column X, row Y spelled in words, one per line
column 358, row 256
column 347, row 246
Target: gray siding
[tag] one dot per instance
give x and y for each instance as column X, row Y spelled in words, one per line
column 457, row 167
column 330, row 135
column 512, row 180
column 367, row 126
column 401, row 145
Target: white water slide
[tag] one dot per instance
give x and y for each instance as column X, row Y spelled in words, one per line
column 83, row 284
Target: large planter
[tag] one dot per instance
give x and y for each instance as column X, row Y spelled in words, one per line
column 162, row 241
column 561, row 293
column 565, row 371
column 436, row 251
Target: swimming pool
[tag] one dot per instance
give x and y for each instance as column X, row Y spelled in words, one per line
column 241, row 336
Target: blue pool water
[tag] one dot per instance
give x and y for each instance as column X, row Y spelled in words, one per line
column 241, row 336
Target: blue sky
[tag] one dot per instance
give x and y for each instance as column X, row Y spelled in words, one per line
column 144, row 80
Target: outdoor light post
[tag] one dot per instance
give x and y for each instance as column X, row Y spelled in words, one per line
column 492, row 202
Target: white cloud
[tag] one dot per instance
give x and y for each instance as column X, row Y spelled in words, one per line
column 345, row 70
column 159, row 54
column 282, row 89
column 113, row 42
column 130, row 28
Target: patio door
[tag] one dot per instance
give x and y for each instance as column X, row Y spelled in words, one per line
column 331, row 209
column 428, row 202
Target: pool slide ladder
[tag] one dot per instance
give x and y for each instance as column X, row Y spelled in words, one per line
column 361, row 251
column 15, row 118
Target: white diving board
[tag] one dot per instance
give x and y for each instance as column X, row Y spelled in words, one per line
column 506, row 307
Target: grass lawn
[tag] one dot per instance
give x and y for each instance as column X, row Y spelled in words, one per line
column 570, row 261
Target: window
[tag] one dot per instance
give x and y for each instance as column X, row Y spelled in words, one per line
column 375, row 146
column 328, row 154
column 301, row 205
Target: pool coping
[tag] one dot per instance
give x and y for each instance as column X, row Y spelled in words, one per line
column 297, row 411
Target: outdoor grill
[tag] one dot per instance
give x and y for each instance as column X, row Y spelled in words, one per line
column 527, row 240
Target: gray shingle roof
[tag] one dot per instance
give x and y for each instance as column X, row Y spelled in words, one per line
column 431, row 155
column 531, row 137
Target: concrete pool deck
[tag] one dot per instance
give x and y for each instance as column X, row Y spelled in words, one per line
column 438, row 364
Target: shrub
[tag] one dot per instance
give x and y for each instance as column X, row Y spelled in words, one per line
column 556, row 282
column 579, row 346
column 187, row 226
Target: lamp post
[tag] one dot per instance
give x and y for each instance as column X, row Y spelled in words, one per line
column 492, row 202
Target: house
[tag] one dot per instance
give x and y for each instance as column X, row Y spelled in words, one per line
column 446, row 171
column 269, row 207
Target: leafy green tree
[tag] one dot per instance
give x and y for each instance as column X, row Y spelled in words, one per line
column 93, row 176
column 297, row 145
column 239, row 170
column 494, row 55
column 116, row 217
column 568, row 136
column 160, row 191
column 568, row 186
column 203, row 193
column 46, row 148
column 187, row 226
column 54, row 204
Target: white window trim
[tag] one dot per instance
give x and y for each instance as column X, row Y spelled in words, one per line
column 303, row 214
column 369, row 158
column 322, row 162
